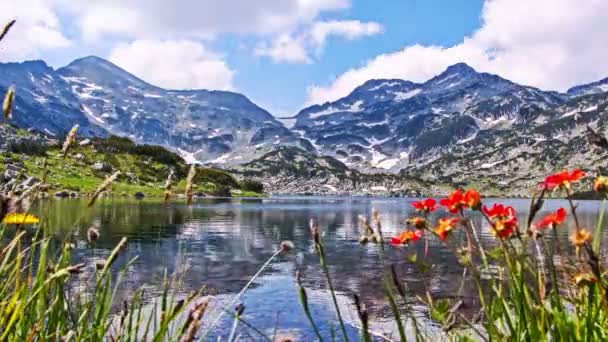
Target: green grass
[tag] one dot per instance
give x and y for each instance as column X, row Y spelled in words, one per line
column 77, row 175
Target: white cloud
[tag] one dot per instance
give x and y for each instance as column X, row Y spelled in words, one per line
column 294, row 47
column 551, row 44
column 180, row 64
column 284, row 48
column 194, row 18
column 349, row 29
column 38, row 28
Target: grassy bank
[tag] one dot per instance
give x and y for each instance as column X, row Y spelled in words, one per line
column 143, row 170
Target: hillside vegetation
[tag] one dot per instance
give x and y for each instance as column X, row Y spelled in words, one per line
column 144, row 168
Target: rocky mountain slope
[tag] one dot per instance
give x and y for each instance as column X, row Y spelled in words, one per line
column 212, row 126
column 388, row 124
column 293, row 170
column 461, row 126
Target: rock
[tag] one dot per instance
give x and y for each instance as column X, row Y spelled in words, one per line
column 73, row 194
column 102, row 166
column 131, row 176
column 139, row 195
column 79, row 156
column 85, row 142
column 30, row 181
column 9, row 175
column 14, row 167
column 62, row 194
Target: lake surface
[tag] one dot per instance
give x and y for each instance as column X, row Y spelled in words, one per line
column 221, row 243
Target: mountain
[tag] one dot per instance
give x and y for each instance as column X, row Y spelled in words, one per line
column 598, row 87
column 289, row 169
column 389, row 124
column 512, row 160
column 458, row 127
column 44, row 101
column 210, row 126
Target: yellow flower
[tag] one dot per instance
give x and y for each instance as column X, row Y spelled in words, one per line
column 580, row 237
column 601, row 184
column 584, row 279
column 20, row 218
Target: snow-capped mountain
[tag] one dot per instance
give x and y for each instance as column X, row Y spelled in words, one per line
column 459, row 126
column 44, row 101
column 206, row 126
column 390, row 124
column 598, row 87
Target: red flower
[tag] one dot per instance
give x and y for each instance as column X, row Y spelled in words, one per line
column 505, row 227
column 499, row 211
column 504, row 220
column 563, row 179
column 407, row 236
column 428, row 205
column 554, row 219
column 454, row 202
column 445, row 226
column 472, row 199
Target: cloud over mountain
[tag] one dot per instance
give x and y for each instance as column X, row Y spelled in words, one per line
column 552, row 44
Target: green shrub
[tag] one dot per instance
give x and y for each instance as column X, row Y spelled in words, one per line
column 31, row 148
column 221, row 191
column 219, row 177
column 251, row 185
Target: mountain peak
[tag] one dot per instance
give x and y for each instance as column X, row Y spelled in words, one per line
column 102, row 71
column 460, row 68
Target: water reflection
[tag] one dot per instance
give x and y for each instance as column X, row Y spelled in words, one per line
column 222, row 243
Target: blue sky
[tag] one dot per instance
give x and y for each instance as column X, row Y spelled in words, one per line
column 286, row 54
column 406, row 22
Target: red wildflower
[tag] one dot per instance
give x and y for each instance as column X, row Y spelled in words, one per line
column 563, row 179
column 455, row 201
column 428, row 205
column 554, row 219
column 504, row 220
column 445, row 226
column 499, row 211
column 472, row 199
column 407, row 236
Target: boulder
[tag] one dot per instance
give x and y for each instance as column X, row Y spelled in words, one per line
column 102, row 166
column 85, row 142
column 30, row 181
column 131, row 176
column 62, row 194
column 139, row 195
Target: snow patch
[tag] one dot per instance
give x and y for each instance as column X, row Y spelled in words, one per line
column 354, row 108
column 153, row 95
column 40, row 98
column 467, row 139
column 589, row 109
column 388, row 164
column 92, row 115
column 489, row 165
column 384, row 84
column 402, row 96
column 330, row 187
column 447, row 78
column 381, row 123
